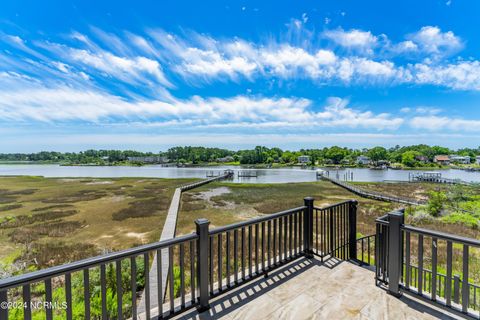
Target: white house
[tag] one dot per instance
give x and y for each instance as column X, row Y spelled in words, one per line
column 478, row 159
column 460, row 159
column 304, row 159
column 363, row 160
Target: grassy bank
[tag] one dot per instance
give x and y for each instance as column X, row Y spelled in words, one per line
column 45, row 222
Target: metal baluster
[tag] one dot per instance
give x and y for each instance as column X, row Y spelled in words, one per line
column 160, row 291
column 243, row 254
column 407, row 260
column 133, row 273
column 368, row 249
column 316, row 229
column 285, row 231
column 228, row 259
column 301, row 218
column 295, row 235
column 465, row 288
column 48, row 298
column 181, row 257
column 263, row 246
column 118, row 271
column 275, row 242
column 420, row 264
column 434, row 269
column 269, row 233
column 192, row 272
column 68, row 296
column 235, row 255
column 211, row 265
column 103, row 291
column 171, row 279
column 146, row 263
column 362, row 249
column 27, row 300
column 220, row 262
column 250, row 245
column 448, row 281
column 456, row 288
column 256, row 248
column 290, row 236
column 280, row 229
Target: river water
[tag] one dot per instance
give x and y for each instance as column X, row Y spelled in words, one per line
column 283, row 175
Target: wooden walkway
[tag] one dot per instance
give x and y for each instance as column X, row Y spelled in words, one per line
column 168, row 232
column 372, row 194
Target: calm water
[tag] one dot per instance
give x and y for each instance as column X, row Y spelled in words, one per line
column 263, row 175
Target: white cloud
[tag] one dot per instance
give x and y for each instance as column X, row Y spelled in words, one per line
column 463, row 75
column 63, row 104
column 436, row 123
column 421, row 110
column 432, row 40
column 127, row 69
column 353, row 39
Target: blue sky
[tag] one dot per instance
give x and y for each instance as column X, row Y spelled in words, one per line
column 148, row 75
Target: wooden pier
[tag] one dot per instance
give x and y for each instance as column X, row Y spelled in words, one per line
column 247, row 174
column 433, row 177
column 371, row 194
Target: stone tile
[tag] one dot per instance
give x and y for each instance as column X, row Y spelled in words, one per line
column 344, row 291
column 259, row 308
column 302, row 307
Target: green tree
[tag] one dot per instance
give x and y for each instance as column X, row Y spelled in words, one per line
column 336, row 154
column 408, row 158
column 378, row 153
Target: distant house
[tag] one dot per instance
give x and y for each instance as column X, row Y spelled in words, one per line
column 363, row 160
column 304, row 159
column 460, row 159
column 423, row 159
column 442, row 159
column 478, row 159
column 149, row 159
column 225, row 159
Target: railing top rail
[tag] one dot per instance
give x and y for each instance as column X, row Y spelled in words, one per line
column 334, row 205
column 40, row 275
column 366, row 237
column 442, row 235
column 382, row 220
column 239, row 225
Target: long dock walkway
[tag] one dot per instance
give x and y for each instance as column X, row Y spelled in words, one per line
column 168, row 232
column 372, row 194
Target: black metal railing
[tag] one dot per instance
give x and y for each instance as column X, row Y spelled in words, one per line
column 245, row 250
column 366, row 249
column 406, row 264
column 199, row 266
column 105, row 279
column 334, row 228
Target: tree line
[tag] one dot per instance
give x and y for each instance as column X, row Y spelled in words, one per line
column 410, row 156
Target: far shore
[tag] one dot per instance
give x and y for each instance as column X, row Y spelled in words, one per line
column 473, row 167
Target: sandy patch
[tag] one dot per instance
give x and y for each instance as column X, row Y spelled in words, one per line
column 99, row 182
column 209, row 194
column 137, row 235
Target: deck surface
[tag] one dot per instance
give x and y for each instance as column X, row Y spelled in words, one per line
column 308, row 289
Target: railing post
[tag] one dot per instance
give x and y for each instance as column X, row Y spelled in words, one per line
column 395, row 246
column 4, row 302
column 202, row 262
column 352, row 220
column 308, row 227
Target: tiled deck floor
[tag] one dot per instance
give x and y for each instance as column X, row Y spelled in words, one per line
column 310, row 290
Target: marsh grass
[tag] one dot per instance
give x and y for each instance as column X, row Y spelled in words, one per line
column 10, row 207
column 62, row 220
